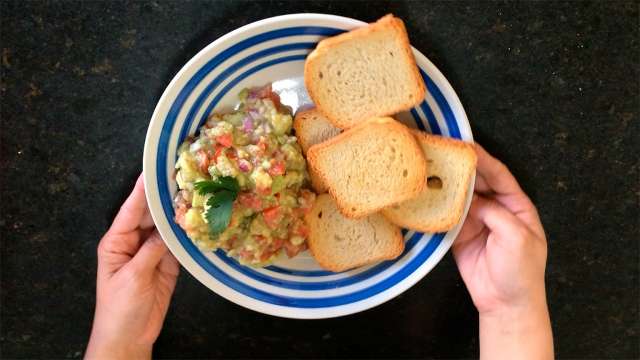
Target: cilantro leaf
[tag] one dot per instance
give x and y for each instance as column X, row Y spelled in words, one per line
column 222, row 183
column 219, row 208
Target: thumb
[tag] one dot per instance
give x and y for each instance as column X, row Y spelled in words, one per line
column 149, row 255
column 498, row 219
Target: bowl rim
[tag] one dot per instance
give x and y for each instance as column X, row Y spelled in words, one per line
column 149, row 168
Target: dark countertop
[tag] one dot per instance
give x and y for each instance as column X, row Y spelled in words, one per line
column 550, row 88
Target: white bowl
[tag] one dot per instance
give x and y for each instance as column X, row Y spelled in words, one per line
column 274, row 50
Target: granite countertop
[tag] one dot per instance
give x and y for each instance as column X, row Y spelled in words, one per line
column 550, row 88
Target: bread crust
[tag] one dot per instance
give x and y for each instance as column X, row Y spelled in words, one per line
column 457, row 209
column 326, row 260
column 387, row 22
column 343, row 205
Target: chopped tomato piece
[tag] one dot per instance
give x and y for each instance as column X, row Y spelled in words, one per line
column 262, row 144
column 271, row 216
column 277, row 168
column 181, row 210
column 250, row 200
column 306, row 200
column 264, row 191
column 275, row 98
column 292, row 250
column 266, row 255
column 246, row 254
column 225, row 140
column 301, row 229
column 276, row 244
column 218, row 152
column 232, row 241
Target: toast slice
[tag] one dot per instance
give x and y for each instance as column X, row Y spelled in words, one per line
column 339, row 243
column 371, row 166
column 439, row 207
column 313, row 128
column 367, row 72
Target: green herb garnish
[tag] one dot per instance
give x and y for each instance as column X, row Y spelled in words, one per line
column 224, row 192
column 221, row 183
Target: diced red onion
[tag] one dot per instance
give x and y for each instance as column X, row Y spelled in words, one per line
column 255, row 115
column 247, row 124
column 244, row 165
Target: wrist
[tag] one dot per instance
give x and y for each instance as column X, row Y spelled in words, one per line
column 517, row 331
column 522, row 310
column 103, row 347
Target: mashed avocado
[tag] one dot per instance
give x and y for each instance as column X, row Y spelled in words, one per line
column 253, row 145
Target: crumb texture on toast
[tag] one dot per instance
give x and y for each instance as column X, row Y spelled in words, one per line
column 339, row 243
column 450, row 167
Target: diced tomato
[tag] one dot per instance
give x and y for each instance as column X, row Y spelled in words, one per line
column 264, row 191
column 179, row 218
column 292, row 250
column 218, row 152
column 277, row 168
column 301, row 229
column 232, row 241
column 262, row 92
column 250, row 200
column 307, row 200
column 246, row 254
column 225, row 140
column 203, row 161
column 275, row 98
column 271, row 216
column 262, row 144
column 266, row 255
column 276, row 244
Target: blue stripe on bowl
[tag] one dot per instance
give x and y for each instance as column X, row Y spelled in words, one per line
column 298, row 285
column 445, row 109
column 433, row 123
column 418, row 120
column 200, row 258
column 295, row 272
column 246, row 270
column 226, row 73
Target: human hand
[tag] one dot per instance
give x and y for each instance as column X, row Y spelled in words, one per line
column 501, row 253
column 136, row 277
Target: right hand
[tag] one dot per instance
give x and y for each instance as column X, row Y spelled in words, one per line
column 501, row 253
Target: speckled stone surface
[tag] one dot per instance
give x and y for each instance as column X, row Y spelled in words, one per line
column 550, row 88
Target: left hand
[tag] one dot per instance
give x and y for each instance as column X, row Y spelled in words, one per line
column 136, row 278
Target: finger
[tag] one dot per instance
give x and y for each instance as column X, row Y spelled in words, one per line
column 498, row 219
column 149, row 255
column 495, row 173
column 470, row 239
column 495, row 177
column 481, row 186
column 147, row 221
column 471, row 227
column 169, row 264
column 132, row 211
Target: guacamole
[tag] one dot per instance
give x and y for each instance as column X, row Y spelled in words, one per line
column 254, row 145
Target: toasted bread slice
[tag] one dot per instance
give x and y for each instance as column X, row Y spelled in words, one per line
column 450, row 167
column 339, row 243
column 364, row 73
column 313, row 128
column 371, row 166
